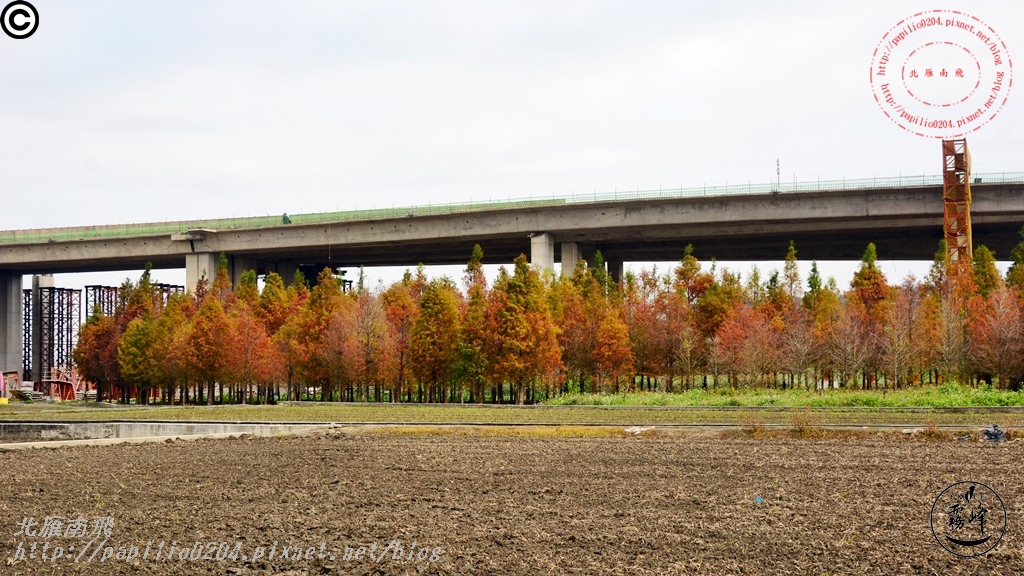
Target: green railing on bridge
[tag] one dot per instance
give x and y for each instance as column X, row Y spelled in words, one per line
column 922, row 181
column 43, row 235
column 113, row 231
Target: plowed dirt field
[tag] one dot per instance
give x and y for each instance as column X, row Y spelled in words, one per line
column 489, row 504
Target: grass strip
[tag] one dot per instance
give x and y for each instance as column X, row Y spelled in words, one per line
column 456, row 414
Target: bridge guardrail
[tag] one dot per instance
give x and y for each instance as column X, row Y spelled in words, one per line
column 43, row 235
column 923, row 181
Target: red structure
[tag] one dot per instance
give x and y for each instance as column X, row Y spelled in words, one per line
column 956, row 199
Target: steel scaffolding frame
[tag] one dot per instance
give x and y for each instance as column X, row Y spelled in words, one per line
column 103, row 296
column 169, row 289
column 956, row 200
column 60, row 317
column 108, row 297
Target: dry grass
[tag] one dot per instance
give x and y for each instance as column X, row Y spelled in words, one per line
column 512, row 415
column 806, row 424
column 512, row 431
column 804, row 428
column 754, row 425
column 806, row 433
column 932, row 432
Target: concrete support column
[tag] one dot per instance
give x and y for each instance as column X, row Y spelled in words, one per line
column 11, row 322
column 286, row 270
column 239, row 264
column 40, row 338
column 200, row 265
column 542, row 251
column 616, row 269
column 571, row 254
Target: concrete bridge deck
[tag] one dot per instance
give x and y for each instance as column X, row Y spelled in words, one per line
column 827, row 220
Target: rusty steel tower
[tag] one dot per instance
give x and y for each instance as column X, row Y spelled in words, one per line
column 956, row 199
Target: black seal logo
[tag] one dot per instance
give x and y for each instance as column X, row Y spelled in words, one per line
column 968, row 519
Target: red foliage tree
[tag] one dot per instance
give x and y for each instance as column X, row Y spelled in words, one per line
column 613, row 354
column 997, row 336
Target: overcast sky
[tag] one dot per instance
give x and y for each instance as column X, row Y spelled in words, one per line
column 133, row 111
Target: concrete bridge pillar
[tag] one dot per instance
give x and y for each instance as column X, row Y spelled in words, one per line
column 200, row 265
column 41, row 339
column 238, row 266
column 286, row 270
column 571, row 254
column 612, row 264
column 542, row 251
column 616, row 269
column 11, row 322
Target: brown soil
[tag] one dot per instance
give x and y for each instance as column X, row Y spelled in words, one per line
column 517, row 505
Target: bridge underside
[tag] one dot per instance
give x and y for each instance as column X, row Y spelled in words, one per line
column 914, row 243
column 907, row 241
column 654, row 244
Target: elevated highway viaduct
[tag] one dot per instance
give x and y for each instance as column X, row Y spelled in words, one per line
column 830, row 222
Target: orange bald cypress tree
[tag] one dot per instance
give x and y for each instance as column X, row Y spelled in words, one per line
column 523, row 343
column 90, row 354
column 205, row 345
column 435, row 340
column 997, row 336
column 473, row 362
column 321, row 352
column 400, row 311
column 613, row 355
